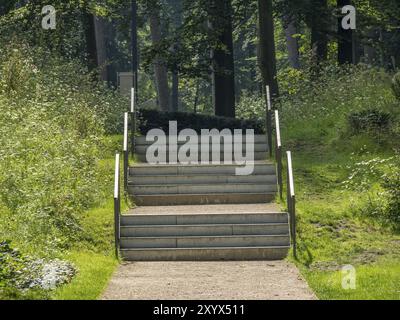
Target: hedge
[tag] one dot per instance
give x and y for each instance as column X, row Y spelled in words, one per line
column 154, row 119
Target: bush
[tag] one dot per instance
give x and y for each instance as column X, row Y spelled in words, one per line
column 396, row 85
column 369, row 121
column 251, row 106
column 21, row 276
column 52, row 120
column 391, row 185
column 315, row 108
column 151, row 119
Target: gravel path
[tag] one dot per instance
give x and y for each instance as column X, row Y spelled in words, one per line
column 225, row 280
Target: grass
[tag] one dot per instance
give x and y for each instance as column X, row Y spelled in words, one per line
column 332, row 233
column 94, row 255
column 376, row 281
column 95, row 270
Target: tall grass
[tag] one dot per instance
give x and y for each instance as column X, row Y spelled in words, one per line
column 54, row 117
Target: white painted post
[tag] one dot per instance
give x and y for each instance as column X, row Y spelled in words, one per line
column 126, row 151
column 269, row 99
column 126, row 131
column 117, row 205
column 116, row 177
column 133, row 102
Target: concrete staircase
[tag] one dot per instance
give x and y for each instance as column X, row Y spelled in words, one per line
column 210, row 232
column 204, row 212
column 201, row 184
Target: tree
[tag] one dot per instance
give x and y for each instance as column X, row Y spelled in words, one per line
column 101, row 49
column 345, row 37
column 267, row 54
column 134, row 46
column 90, row 39
column 318, row 21
column 160, row 68
column 223, row 71
column 176, row 6
column 292, row 44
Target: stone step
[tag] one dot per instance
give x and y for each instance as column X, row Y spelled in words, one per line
column 258, row 139
column 204, row 230
column 205, row 241
column 204, row 189
column 201, row 179
column 141, row 157
column 206, row 254
column 260, row 168
column 202, row 199
column 188, row 219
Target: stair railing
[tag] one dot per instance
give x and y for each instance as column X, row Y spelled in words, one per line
column 291, row 198
column 126, row 151
column 278, row 153
column 133, row 114
column 117, row 204
column 269, row 120
column 291, row 201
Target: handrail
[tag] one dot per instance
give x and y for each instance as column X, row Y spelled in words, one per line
column 117, row 204
column 126, row 151
column 291, row 201
column 133, row 113
column 269, row 120
column 278, row 153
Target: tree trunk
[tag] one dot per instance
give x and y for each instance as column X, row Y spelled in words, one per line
column 134, row 47
column 176, row 6
column 223, row 71
column 319, row 26
column 101, row 48
column 175, row 91
column 345, row 37
column 267, row 54
column 88, row 22
column 160, row 69
column 370, row 53
column 291, row 42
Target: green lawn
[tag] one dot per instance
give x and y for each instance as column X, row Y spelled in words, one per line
column 332, row 232
column 95, row 270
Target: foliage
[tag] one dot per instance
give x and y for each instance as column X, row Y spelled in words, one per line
column 396, row 85
column 251, row 106
column 370, row 121
column 23, row 276
column 391, row 185
column 365, row 172
column 52, row 119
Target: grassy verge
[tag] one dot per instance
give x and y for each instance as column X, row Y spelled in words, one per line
column 94, row 255
column 95, row 270
column 333, row 233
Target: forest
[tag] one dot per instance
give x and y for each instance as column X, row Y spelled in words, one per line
column 206, row 62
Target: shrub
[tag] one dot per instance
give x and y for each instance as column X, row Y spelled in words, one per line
column 251, row 106
column 391, row 185
column 21, row 276
column 370, row 121
column 396, row 85
column 151, row 119
column 52, row 119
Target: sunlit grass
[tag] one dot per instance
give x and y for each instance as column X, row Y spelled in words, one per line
column 331, row 231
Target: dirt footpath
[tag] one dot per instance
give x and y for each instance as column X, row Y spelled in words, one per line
column 247, row 280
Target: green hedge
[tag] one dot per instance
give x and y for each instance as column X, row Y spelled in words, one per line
column 151, row 119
